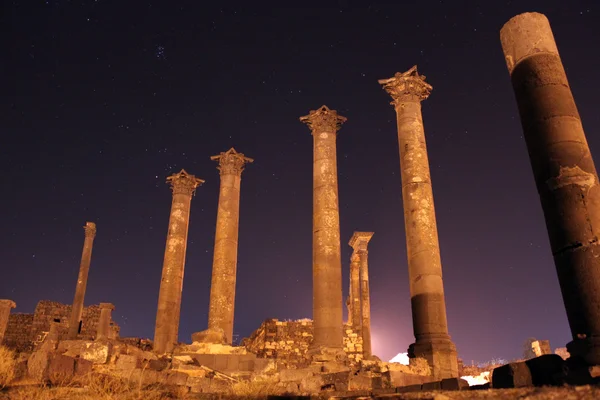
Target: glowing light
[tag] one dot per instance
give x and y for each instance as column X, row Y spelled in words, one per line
column 401, row 358
column 480, row 379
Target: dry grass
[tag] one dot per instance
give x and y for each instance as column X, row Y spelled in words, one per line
column 93, row 387
column 257, row 388
column 8, row 363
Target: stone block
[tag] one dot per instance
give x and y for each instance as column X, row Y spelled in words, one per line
column 431, row 386
column 96, row 352
column 83, row 367
column 294, row 375
column 176, row 378
column 337, row 381
column 221, row 362
column 454, row 384
column 409, row 388
column 547, row 370
column 37, row 366
column 159, row 365
column 312, row 384
column 513, row 375
column 208, row 360
column 127, row 362
column 359, row 382
column 233, row 363
column 60, row 368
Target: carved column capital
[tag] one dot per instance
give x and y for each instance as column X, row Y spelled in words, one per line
column 90, row 230
column 231, row 162
column 108, row 306
column 407, row 86
column 184, row 183
column 7, row 303
column 354, row 258
column 359, row 241
column 323, row 120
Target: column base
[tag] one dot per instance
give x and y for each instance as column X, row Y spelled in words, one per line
column 586, row 350
column 212, row 336
column 441, row 355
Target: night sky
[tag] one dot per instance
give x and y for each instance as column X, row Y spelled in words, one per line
column 102, row 100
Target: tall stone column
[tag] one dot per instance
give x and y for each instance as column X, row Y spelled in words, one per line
column 359, row 243
column 84, row 269
column 222, row 288
column 166, row 331
column 564, row 172
column 5, row 307
column 103, row 329
column 327, row 265
column 432, row 341
column 355, row 297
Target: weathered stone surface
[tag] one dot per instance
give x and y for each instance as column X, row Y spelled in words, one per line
column 177, row 378
column 84, row 268
column 359, row 243
column 96, row 352
column 513, row 375
column 454, row 384
column 127, row 362
column 359, row 382
column 564, row 172
column 211, row 335
column 430, row 326
column 541, row 347
column 222, row 288
column 103, row 330
column 327, row 266
column 401, row 378
column 166, row 330
column 159, row 365
column 294, row 375
column 60, row 368
column 5, row 307
column 83, row 367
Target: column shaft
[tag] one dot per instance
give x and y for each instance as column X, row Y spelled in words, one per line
column 222, row 288
column 103, row 329
column 171, row 285
column 564, row 172
column 355, row 291
column 366, row 303
column 5, row 307
column 424, row 263
column 84, row 268
column 327, row 264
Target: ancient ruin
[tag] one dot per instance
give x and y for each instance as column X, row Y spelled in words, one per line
column 183, row 186
column 84, row 268
column 60, row 342
column 565, row 174
column 327, row 264
column 432, row 341
column 359, row 242
column 222, row 288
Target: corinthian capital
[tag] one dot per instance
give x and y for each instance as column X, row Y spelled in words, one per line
column 407, row 86
column 323, row 120
column 90, row 229
column 231, row 162
column 184, row 183
column 5, row 303
column 360, row 240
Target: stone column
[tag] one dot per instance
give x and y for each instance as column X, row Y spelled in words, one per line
column 222, row 288
column 430, row 326
column 327, row 265
column 84, row 269
column 355, row 297
column 359, row 243
column 564, row 172
column 166, row 331
column 103, row 329
column 5, row 307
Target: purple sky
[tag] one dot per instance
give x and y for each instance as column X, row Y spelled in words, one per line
column 102, row 100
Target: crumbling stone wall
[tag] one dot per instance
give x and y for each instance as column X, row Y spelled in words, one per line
column 289, row 341
column 25, row 331
column 18, row 331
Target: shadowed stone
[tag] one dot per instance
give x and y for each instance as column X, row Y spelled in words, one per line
column 84, row 269
column 359, row 242
column 327, row 266
column 222, row 288
column 5, row 307
column 564, row 172
column 104, row 322
column 166, row 330
column 430, row 325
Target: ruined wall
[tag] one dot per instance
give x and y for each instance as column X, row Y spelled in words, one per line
column 288, row 341
column 25, row 331
column 18, row 331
